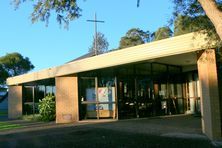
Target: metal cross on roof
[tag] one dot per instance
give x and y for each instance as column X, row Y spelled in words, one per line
column 95, row 21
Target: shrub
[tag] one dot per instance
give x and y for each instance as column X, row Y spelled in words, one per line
column 47, row 108
column 35, row 117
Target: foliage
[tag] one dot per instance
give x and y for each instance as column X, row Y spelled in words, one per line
column 15, row 64
column 180, row 26
column 47, row 108
column 66, row 10
column 101, row 44
column 35, row 117
column 3, row 74
column 162, row 33
column 133, row 37
column 189, row 16
column 187, row 24
column 191, row 7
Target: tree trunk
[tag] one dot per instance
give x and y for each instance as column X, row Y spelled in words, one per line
column 214, row 14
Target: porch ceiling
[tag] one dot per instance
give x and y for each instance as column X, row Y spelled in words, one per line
column 176, row 50
column 185, row 59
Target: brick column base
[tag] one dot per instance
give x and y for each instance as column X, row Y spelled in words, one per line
column 15, row 102
column 67, row 99
column 210, row 108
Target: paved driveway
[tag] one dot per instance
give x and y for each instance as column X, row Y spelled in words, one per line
column 177, row 131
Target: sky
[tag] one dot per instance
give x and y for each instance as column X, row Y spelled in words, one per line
column 53, row 45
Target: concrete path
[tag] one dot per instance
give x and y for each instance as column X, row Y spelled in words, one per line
column 177, row 131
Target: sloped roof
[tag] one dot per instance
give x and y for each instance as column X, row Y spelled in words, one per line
column 87, row 55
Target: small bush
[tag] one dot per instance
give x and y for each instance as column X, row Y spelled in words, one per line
column 47, row 108
column 35, row 117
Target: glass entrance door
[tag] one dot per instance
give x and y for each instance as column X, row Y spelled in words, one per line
column 107, row 97
column 97, row 98
column 135, row 98
column 144, row 96
column 88, row 96
column 126, row 99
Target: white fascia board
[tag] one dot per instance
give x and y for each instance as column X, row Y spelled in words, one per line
column 157, row 49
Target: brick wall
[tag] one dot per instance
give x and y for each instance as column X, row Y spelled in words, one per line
column 67, row 99
column 15, row 102
column 210, row 108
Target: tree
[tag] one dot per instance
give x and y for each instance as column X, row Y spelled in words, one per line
column 186, row 24
column 214, row 13
column 66, row 10
column 15, row 64
column 162, row 33
column 182, row 25
column 101, row 44
column 134, row 37
column 210, row 8
column 209, row 13
column 3, row 75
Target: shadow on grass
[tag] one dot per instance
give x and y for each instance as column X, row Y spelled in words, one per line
column 8, row 126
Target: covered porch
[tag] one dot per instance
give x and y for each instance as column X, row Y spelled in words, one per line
column 171, row 76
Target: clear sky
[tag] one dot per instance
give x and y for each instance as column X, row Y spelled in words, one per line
column 52, row 46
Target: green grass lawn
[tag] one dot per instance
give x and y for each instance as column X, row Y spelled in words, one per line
column 7, row 126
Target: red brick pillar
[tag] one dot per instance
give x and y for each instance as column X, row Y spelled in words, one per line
column 67, row 110
column 15, row 102
column 210, row 108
